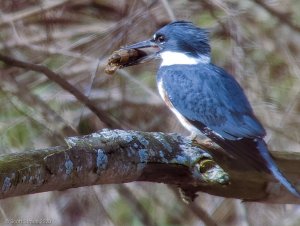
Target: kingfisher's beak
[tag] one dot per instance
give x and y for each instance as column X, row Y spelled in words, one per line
column 141, row 45
column 150, row 50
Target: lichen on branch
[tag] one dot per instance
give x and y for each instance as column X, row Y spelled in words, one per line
column 109, row 157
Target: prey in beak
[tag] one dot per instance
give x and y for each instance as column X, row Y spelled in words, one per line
column 132, row 55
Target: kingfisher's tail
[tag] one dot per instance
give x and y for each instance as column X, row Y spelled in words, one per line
column 262, row 147
column 254, row 152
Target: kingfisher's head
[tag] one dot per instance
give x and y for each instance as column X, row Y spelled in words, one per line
column 179, row 42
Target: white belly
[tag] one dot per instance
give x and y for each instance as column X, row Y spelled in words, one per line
column 182, row 120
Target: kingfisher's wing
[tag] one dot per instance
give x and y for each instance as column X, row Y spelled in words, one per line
column 207, row 96
column 212, row 101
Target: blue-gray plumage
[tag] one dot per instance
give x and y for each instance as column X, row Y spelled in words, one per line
column 206, row 99
column 206, row 93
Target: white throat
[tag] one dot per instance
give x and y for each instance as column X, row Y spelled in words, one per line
column 171, row 58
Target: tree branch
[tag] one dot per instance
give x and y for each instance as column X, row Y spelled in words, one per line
column 117, row 156
column 283, row 17
column 106, row 119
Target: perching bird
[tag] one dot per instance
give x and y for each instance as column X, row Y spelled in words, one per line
column 205, row 98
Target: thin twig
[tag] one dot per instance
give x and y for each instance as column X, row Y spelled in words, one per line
column 40, row 110
column 197, row 210
column 202, row 214
column 106, row 119
column 168, row 9
column 282, row 16
column 8, row 18
column 136, row 206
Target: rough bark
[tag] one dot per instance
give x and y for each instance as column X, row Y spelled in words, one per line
column 117, row 156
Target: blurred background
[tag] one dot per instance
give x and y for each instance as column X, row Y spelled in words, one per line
column 257, row 41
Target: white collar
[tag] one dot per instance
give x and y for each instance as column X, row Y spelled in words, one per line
column 171, row 58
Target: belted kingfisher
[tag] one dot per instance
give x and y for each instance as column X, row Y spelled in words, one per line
column 205, row 98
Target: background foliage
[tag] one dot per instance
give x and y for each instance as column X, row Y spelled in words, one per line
column 257, row 41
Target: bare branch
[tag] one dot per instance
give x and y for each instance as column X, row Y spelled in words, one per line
column 29, row 12
column 109, row 121
column 137, row 207
column 116, row 156
column 108, row 157
column 169, row 10
column 281, row 16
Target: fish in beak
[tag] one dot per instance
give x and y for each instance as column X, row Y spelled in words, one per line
column 150, row 48
column 134, row 54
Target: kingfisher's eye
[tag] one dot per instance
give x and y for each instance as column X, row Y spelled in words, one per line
column 160, row 38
